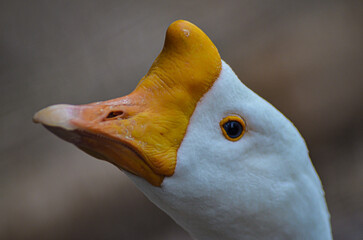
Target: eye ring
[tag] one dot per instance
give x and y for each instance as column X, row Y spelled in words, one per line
column 233, row 128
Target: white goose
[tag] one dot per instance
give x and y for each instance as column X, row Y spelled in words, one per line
column 217, row 158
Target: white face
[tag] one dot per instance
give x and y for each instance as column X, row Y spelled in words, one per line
column 227, row 177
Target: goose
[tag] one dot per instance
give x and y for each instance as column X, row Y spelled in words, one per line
column 221, row 161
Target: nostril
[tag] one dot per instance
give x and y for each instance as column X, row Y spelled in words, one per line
column 114, row 114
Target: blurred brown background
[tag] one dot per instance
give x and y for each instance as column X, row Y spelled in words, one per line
column 305, row 57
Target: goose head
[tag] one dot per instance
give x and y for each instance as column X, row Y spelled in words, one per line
column 216, row 157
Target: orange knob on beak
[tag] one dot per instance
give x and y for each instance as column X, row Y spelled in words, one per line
column 141, row 132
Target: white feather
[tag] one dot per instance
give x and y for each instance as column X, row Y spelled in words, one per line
column 260, row 187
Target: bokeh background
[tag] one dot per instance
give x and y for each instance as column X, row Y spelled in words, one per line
column 305, row 57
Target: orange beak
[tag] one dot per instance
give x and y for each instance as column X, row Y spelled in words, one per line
column 106, row 130
column 141, row 132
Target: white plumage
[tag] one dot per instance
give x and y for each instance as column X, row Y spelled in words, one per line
column 263, row 186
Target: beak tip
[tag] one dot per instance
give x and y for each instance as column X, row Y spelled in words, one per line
column 56, row 116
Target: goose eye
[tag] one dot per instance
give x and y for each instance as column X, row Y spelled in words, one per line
column 233, row 128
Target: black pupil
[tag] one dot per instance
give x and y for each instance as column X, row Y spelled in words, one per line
column 233, row 129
